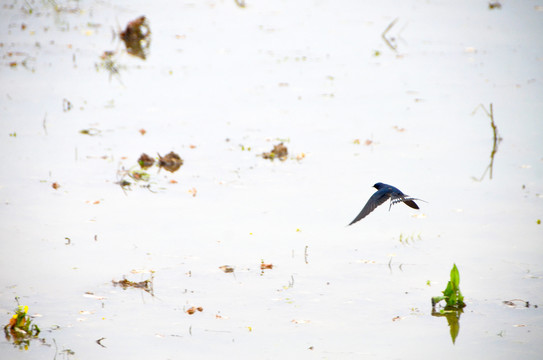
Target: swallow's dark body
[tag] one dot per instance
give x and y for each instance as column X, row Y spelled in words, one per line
column 383, row 193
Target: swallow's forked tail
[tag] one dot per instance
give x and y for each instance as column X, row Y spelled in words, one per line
column 409, row 201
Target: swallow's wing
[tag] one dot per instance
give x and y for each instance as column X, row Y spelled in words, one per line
column 375, row 200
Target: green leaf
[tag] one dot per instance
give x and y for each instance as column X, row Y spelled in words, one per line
column 448, row 290
column 452, row 300
column 455, row 277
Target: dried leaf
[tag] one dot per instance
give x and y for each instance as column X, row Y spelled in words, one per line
column 227, row 269
column 193, row 309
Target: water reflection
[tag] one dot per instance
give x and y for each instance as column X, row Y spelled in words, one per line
column 496, row 140
column 109, row 63
column 453, row 319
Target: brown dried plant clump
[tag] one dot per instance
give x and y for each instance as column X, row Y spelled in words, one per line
column 137, row 37
column 279, row 151
column 145, row 161
column 171, row 162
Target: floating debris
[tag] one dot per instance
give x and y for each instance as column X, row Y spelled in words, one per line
column 20, row 328
column 193, row 309
column 137, row 37
column 146, row 161
column 124, row 184
column 146, row 285
column 227, row 268
column 90, row 132
column 66, row 105
column 494, row 5
column 89, row 294
column 391, row 42
column 139, row 175
column 99, row 342
column 171, row 162
column 141, row 271
column 516, row 303
column 279, row 151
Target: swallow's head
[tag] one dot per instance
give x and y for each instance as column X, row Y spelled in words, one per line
column 378, row 186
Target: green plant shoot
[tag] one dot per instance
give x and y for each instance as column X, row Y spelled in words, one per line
column 452, row 294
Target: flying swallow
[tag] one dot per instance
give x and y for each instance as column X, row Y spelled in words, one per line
column 383, row 193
